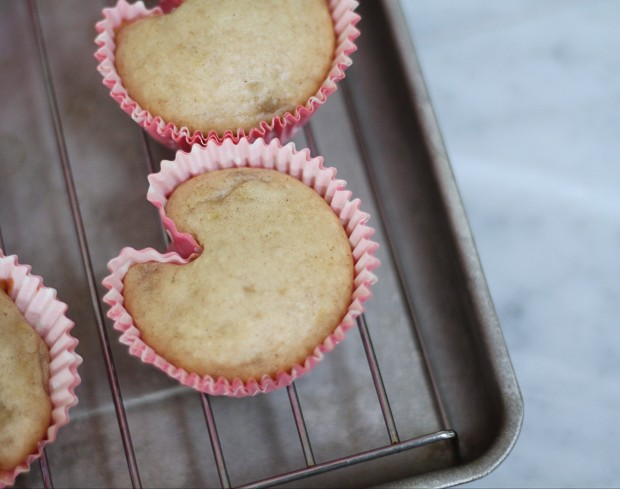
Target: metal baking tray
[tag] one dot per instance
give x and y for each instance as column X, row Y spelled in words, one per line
column 423, row 394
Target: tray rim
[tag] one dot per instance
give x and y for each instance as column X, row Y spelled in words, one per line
column 491, row 334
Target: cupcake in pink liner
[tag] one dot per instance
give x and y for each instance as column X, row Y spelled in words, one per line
column 40, row 309
column 261, row 76
column 270, row 263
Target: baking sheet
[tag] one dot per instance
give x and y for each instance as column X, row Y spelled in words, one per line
column 430, row 302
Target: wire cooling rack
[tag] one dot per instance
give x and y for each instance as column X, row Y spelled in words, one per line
column 316, row 470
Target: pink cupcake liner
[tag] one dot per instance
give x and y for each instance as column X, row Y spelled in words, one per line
column 228, row 154
column 282, row 127
column 46, row 315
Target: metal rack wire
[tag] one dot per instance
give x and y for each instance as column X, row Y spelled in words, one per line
column 312, row 468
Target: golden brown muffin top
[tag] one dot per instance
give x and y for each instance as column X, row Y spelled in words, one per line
column 274, row 279
column 25, row 406
column 219, row 65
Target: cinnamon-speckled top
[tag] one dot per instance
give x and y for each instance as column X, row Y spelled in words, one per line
column 274, row 279
column 25, row 405
column 222, row 65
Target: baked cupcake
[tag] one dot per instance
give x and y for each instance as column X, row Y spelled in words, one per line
column 270, row 264
column 25, row 404
column 211, row 69
column 38, row 368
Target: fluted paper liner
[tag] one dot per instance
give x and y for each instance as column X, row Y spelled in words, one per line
column 282, row 127
column 46, row 315
column 228, row 154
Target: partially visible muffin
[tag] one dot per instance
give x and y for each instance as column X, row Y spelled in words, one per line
column 214, row 65
column 274, row 279
column 25, row 405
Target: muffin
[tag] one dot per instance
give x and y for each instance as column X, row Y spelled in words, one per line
column 38, row 367
column 218, row 66
column 274, row 278
column 270, row 264
column 25, row 405
column 211, row 69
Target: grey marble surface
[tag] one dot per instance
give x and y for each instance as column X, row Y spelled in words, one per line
column 527, row 96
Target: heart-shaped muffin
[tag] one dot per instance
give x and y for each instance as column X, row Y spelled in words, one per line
column 275, row 263
column 213, row 68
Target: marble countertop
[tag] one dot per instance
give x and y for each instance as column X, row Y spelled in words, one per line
column 526, row 94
